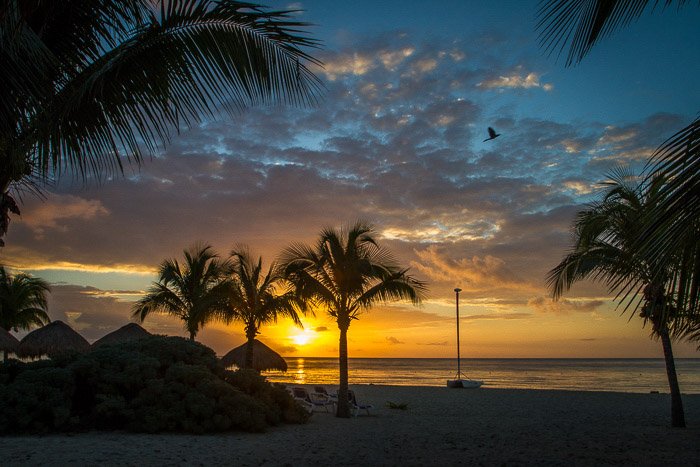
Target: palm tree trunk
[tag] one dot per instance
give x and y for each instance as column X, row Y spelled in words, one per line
column 250, row 332
column 343, row 406
column 192, row 334
column 677, row 414
column 249, row 352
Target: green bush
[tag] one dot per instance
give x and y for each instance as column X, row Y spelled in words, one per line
column 158, row 384
column 280, row 405
column 37, row 401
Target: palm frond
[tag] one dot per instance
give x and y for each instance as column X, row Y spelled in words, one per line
column 578, row 25
column 675, row 228
column 122, row 77
column 23, row 301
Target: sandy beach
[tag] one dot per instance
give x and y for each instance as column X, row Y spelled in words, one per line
column 440, row 427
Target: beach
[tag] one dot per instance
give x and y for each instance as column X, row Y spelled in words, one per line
column 440, row 426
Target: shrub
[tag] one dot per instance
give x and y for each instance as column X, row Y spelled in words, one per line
column 37, row 401
column 281, row 406
column 157, row 384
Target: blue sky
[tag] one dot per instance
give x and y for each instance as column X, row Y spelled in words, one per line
column 397, row 140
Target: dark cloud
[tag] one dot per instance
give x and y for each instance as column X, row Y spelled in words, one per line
column 287, row 349
column 321, row 329
column 397, row 141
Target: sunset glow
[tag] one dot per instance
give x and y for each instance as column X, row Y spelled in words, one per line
column 301, row 339
column 398, row 141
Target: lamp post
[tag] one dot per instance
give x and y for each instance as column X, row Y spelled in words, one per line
column 459, row 369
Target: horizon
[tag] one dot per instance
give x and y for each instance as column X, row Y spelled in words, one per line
column 398, row 140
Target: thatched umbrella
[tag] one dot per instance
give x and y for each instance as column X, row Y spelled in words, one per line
column 8, row 343
column 129, row 332
column 264, row 358
column 53, row 339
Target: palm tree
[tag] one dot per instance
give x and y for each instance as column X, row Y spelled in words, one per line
column 22, row 302
column 347, row 272
column 606, row 234
column 195, row 292
column 87, row 86
column 579, row 25
column 257, row 297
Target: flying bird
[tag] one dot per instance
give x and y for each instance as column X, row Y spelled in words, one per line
column 492, row 134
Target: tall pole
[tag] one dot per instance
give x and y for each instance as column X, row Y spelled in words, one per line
column 459, row 369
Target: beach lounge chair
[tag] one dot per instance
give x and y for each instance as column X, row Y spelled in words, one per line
column 324, row 392
column 311, row 400
column 355, row 406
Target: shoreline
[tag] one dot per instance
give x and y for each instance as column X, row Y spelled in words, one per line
column 441, row 426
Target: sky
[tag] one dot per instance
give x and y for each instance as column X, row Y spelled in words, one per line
column 397, row 140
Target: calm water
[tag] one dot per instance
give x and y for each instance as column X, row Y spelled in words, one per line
column 622, row 375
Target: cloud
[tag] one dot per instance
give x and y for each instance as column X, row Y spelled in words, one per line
column 356, row 64
column 397, row 142
column 394, row 341
column 441, row 344
column 287, row 349
column 321, row 329
column 515, row 80
column 565, row 306
column 475, row 273
column 93, row 312
column 51, row 214
column 580, row 187
column 392, row 58
column 497, row 316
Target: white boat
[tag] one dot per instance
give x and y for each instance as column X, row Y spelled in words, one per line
column 464, row 383
column 459, row 381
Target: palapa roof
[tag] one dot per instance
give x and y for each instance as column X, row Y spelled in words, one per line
column 128, row 332
column 8, row 341
column 53, row 339
column 264, row 358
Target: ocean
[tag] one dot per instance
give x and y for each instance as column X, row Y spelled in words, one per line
column 598, row 374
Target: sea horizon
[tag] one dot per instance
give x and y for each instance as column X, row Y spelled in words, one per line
column 635, row 374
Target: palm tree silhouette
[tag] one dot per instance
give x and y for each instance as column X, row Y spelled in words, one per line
column 257, row 297
column 87, row 86
column 579, row 25
column 23, row 303
column 604, row 250
column 196, row 291
column 346, row 273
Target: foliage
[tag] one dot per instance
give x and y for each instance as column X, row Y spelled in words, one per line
column 281, row 405
column 37, row 400
column 156, row 384
column 22, row 301
column 196, row 291
column 580, row 24
column 88, row 86
column 257, row 298
column 604, row 250
column 674, row 228
column 347, row 272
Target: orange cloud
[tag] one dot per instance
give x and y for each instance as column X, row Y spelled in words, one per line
column 516, row 80
column 348, row 64
column 472, row 274
column 565, row 306
column 48, row 215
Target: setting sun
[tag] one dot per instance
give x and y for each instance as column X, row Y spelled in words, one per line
column 301, row 338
